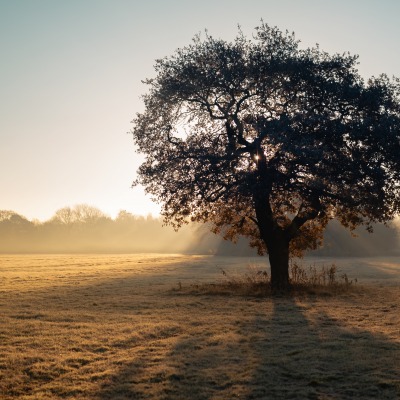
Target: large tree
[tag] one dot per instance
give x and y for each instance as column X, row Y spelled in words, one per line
column 265, row 139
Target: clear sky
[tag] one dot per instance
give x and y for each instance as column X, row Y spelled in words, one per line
column 70, row 82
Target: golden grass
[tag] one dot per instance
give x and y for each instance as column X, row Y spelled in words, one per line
column 110, row 327
column 255, row 282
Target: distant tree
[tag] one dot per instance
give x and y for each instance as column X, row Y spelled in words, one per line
column 14, row 220
column 81, row 213
column 5, row 215
column 15, row 231
column 64, row 216
column 88, row 214
column 124, row 216
column 269, row 141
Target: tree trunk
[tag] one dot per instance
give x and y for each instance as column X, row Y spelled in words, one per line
column 276, row 241
column 278, row 251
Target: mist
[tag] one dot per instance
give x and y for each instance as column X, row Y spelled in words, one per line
column 86, row 229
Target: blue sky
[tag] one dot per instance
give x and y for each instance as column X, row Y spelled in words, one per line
column 71, row 71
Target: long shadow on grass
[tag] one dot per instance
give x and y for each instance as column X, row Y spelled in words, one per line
column 319, row 358
column 197, row 361
column 267, row 352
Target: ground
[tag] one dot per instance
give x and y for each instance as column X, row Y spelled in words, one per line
column 130, row 327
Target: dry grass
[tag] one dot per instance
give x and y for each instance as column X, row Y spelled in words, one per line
column 109, row 327
column 256, row 282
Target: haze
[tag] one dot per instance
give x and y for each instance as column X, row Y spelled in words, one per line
column 86, row 229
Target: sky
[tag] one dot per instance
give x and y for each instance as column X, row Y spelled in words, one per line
column 71, row 72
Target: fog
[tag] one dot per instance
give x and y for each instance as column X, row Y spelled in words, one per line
column 86, row 229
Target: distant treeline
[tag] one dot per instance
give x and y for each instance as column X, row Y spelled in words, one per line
column 86, row 229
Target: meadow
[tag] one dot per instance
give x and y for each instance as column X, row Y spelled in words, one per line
column 138, row 327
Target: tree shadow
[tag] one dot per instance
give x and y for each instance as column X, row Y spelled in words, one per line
column 200, row 361
column 321, row 358
column 283, row 353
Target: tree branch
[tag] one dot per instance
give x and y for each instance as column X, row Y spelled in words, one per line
column 301, row 218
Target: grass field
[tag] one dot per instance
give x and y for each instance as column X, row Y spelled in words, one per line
column 130, row 327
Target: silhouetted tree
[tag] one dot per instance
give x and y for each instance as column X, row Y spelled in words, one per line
column 81, row 214
column 64, row 216
column 270, row 141
column 15, row 231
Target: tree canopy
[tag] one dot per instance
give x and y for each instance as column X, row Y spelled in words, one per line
column 270, row 141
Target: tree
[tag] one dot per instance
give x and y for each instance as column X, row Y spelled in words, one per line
column 270, row 141
column 79, row 214
column 64, row 216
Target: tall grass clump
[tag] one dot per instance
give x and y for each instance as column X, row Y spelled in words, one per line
column 257, row 282
column 325, row 278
